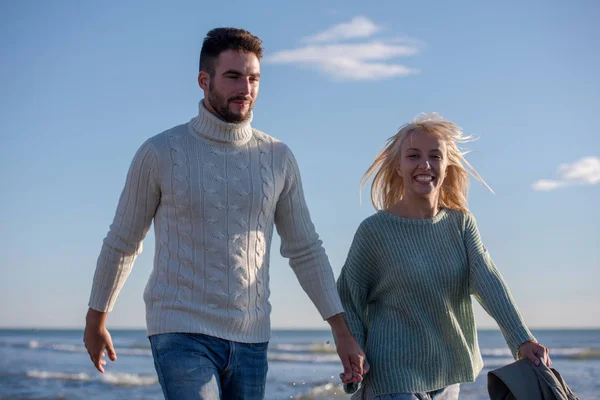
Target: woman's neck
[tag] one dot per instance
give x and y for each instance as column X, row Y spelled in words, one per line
column 416, row 208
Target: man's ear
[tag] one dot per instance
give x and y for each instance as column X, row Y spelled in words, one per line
column 203, row 80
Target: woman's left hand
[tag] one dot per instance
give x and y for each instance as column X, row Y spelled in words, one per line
column 535, row 351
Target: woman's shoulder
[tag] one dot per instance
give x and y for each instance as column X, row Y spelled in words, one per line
column 457, row 214
column 372, row 222
column 463, row 219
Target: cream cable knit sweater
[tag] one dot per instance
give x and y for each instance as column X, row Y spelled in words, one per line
column 214, row 190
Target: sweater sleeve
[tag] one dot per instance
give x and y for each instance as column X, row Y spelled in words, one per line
column 301, row 244
column 490, row 290
column 135, row 211
column 354, row 284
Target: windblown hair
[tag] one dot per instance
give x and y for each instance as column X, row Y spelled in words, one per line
column 220, row 39
column 388, row 186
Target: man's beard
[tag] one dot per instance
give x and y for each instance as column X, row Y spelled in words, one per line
column 221, row 106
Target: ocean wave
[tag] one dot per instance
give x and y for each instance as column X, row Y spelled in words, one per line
column 497, row 363
column 108, row 378
column 573, row 353
column 140, row 345
column 308, row 352
column 58, row 376
column 328, row 390
column 124, row 379
column 325, row 348
column 585, row 354
column 71, row 348
column 498, row 352
column 302, row 358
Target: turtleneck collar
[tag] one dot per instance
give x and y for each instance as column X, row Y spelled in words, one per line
column 209, row 126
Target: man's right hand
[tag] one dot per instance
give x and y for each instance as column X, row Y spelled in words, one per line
column 97, row 339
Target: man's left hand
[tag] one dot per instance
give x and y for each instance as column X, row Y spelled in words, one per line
column 353, row 359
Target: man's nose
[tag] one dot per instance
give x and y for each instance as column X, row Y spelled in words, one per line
column 245, row 86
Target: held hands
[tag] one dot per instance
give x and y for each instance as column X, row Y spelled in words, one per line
column 97, row 339
column 349, row 351
column 353, row 359
column 534, row 351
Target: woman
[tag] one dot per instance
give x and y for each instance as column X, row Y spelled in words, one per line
column 413, row 266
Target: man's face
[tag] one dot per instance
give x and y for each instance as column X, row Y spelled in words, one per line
column 231, row 91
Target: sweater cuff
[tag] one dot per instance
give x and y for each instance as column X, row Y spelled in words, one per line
column 330, row 305
column 102, row 300
column 517, row 337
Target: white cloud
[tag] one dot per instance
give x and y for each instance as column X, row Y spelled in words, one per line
column 546, row 184
column 585, row 171
column 361, row 51
column 368, row 60
column 358, row 27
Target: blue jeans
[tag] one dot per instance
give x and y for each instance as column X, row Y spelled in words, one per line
column 202, row 367
column 447, row 393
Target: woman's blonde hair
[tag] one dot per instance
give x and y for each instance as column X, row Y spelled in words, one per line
column 388, row 186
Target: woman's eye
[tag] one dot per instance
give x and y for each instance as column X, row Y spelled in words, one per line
column 413, row 156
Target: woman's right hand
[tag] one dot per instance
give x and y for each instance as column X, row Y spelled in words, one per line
column 535, row 351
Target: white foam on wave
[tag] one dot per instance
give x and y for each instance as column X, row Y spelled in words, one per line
column 295, row 357
column 569, row 352
column 135, row 352
column 70, row 348
column 58, row 376
column 497, row 352
column 311, row 348
column 108, row 378
column 67, row 348
column 497, row 363
column 326, row 391
column 123, row 379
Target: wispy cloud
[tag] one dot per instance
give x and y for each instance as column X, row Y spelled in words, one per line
column 366, row 60
column 585, row 171
column 358, row 27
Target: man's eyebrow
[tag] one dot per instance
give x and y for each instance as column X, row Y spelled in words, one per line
column 232, row 72
column 235, row 72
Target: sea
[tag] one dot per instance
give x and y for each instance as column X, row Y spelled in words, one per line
column 303, row 364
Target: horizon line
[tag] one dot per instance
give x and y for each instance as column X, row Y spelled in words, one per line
column 121, row 328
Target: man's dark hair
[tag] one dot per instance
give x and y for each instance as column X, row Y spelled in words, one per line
column 220, row 39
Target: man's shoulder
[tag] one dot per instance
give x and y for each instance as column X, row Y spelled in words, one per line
column 175, row 132
column 159, row 143
column 273, row 143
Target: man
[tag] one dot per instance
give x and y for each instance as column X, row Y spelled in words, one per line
column 215, row 188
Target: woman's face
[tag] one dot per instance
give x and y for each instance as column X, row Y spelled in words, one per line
column 423, row 163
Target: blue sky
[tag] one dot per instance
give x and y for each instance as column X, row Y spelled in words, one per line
column 85, row 83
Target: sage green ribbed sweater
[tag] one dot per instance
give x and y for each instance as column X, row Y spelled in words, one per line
column 406, row 287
